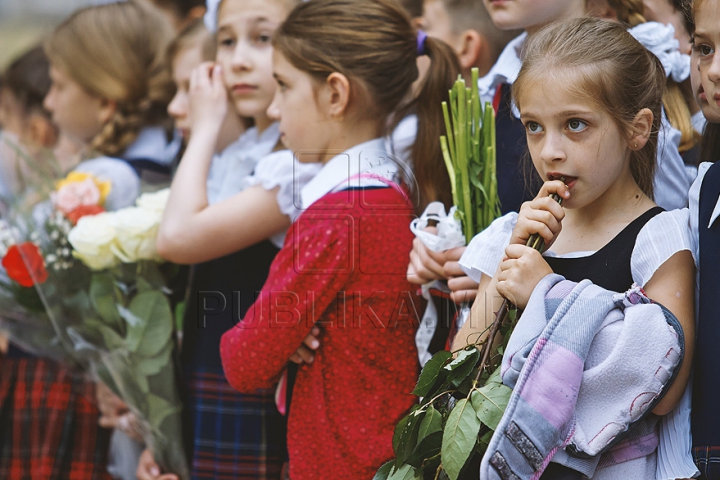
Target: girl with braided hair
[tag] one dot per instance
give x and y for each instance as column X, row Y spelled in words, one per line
column 109, row 93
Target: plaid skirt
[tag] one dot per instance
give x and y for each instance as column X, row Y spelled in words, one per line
column 48, row 423
column 234, row 435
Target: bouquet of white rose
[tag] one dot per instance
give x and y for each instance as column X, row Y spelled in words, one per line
column 103, row 290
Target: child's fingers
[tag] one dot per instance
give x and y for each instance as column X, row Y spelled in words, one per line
column 302, row 355
column 217, row 79
column 454, row 254
column 311, row 340
column 554, row 186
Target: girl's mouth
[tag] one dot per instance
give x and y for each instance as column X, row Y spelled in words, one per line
column 566, row 179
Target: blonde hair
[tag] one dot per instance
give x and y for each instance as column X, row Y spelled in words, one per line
column 632, row 13
column 117, row 52
column 374, row 44
column 601, row 61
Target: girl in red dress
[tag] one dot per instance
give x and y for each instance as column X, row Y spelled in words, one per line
column 342, row 68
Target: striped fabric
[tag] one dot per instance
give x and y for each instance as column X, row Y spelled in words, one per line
column 48, row 423
column 236, row 436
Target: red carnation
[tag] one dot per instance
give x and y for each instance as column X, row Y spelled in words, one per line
column 82, row 211
column 24, row 263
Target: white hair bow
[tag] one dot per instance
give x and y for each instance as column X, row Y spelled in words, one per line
column 210, row 18
column 660, row 40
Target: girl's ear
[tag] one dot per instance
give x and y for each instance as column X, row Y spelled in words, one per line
column 641, row 129
column 338, row 94
column 107, row 110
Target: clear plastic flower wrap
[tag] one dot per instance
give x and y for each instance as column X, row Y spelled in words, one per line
column 95, row 294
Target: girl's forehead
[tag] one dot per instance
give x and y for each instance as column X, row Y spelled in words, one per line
column 238, row 13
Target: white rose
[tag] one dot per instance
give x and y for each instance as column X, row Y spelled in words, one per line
column 92, row 240
column 155, row 201
column 136, row 229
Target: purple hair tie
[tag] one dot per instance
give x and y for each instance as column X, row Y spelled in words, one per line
column 421, row 37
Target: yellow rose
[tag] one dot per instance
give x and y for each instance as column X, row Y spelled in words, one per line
column 75, row 177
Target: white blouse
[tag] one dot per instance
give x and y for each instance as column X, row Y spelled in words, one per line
column 281, row 169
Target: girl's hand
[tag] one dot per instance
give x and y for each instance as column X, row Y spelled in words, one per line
column 425, row 265
column 464, row 289
column 520, row 272
column 148, row 469
column 208, row 97
column 541, row 215
column 306, row 352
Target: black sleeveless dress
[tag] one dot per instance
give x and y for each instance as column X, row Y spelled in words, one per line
column 609, row 268
column 228, row 434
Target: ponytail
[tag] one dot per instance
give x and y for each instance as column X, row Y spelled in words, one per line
column 433, row 181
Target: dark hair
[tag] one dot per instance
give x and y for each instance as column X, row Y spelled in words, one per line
column 28, row 79
column 181, row 7
column 374, row 44
column 601, row 61
column 472, row 15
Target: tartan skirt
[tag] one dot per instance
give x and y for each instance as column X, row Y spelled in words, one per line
column 48, row 423
column 234, row 435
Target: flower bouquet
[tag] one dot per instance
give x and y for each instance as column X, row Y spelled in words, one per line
column 103, row 291
column 462, row 398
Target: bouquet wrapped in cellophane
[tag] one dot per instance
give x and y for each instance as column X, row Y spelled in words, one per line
column 86, row 287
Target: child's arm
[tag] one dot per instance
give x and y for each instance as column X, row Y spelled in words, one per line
column 304, row 280
column 673, row 285
column 192, row 231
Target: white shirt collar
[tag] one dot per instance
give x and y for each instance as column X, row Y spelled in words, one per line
column 505, row 70
column 151, row 144
column 341, row 172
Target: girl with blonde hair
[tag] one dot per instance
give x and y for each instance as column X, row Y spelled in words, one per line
column 109, row 93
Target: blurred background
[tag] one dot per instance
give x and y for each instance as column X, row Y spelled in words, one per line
column 23, row 23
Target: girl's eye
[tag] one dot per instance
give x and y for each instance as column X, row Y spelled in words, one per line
column 533, row 127
column 576, row 125
column 263, row 39
column 226, row 42
column 703, row 49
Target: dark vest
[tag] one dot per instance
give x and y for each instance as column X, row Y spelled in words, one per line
column 706, row 376
column 609, row 267
column 516, row 176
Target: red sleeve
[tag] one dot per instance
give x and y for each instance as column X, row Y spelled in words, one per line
column 304, row 280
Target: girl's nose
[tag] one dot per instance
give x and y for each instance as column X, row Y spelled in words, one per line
column 714, row 69
column 241, row 59
column 178, row 106
column 273, row 110
column 552, row 149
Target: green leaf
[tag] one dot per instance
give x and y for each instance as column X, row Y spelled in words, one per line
column 459, row 437
column 430, row 373
column 111, row 338
column 153, row 366
column 384, row 472
column 406, row 472
column 408, row 438
column 180, row 315
column 490, row 402
column 485, row 440
column 159, row 410
column 427, row 448
column 431, row 423
column 104, row 298
column 463, row 364
column 150, row 323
